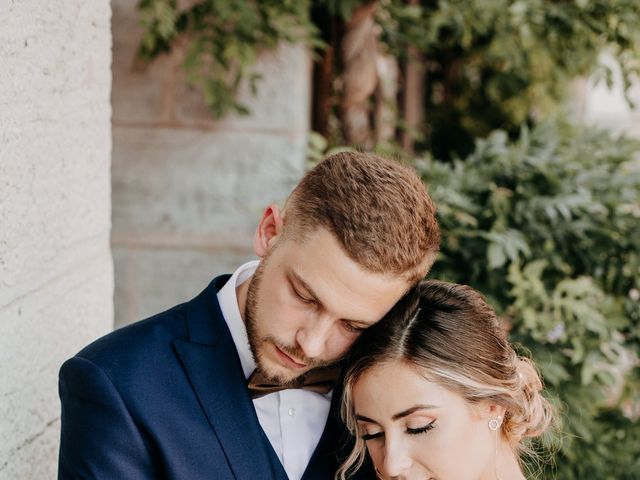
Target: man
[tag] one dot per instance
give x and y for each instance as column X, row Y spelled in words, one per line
column 168, row 398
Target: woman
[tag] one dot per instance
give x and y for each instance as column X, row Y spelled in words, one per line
column 435, row 391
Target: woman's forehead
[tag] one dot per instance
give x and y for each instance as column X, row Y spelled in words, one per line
column 395, row 386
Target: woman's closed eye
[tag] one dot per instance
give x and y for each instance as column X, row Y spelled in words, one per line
column 409, row 430
column 424, row 429
column 371, row 431
column 371, row 436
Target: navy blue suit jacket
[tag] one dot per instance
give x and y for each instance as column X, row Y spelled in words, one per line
column 166, row 398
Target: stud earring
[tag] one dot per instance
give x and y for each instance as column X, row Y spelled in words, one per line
column 494, row 423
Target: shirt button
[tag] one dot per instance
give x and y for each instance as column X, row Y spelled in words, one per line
column 292, row 412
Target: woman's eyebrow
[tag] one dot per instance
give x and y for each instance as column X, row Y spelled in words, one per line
column 365, row 419
column 411, row 410
column 400, row 415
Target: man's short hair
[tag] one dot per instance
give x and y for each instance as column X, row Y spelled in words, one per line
column 377, row 208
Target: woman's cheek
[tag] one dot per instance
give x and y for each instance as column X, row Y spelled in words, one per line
column 376, row 453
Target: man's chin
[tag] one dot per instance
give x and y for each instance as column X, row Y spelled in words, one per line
column 281, row 375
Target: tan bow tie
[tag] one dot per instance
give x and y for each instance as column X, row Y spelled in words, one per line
column 319, row 380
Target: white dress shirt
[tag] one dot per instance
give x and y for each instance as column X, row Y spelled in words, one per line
column 294, row 419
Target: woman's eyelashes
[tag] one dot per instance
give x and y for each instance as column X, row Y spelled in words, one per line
column 410, row 431
column 424, row 429
column 371, row 436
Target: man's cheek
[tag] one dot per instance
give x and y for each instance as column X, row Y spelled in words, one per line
column 339, row 346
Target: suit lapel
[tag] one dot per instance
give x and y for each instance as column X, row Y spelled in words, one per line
column 213, row 367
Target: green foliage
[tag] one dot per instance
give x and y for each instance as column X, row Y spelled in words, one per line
column 318, row 149
column 548, row 228
column 340, row 8
column 491, row 63
column 501, row 63
column 224, row 39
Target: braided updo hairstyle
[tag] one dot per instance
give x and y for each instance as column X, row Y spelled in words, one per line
column 454, row 339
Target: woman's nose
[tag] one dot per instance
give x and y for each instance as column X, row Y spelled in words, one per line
column 397, row 459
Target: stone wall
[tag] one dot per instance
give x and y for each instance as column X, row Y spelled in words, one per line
column 56, row 276
column 187, row 190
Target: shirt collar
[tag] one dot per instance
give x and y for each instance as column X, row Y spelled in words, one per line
column 228, row 301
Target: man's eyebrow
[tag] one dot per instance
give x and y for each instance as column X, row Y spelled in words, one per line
column 411, row 410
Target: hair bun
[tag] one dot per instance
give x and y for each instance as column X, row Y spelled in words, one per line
column 531, row 413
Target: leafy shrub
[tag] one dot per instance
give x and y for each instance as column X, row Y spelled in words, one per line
column 500, row 63
column 222, row 39
column 489, row 63
column 548, row 228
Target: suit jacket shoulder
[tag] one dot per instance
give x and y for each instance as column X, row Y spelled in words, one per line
column 154, row 400
column 166, row 398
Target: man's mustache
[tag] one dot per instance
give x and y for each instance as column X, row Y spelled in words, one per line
column 296, row 352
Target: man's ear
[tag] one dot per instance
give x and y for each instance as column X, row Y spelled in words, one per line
column 269, row 230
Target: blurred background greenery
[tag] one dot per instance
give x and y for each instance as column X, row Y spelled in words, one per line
column 540, row 213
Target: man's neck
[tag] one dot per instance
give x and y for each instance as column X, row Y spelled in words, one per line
column 241, row 294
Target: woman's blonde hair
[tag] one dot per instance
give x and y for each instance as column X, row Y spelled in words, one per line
column 452, row 336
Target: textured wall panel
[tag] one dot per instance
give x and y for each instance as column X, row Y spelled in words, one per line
column 56, row 274
column 187, row 190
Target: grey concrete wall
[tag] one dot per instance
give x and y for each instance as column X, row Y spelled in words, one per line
column 188, row 191
column 56, row 276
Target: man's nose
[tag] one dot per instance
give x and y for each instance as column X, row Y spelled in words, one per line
column 397, row 459
column 312, row 337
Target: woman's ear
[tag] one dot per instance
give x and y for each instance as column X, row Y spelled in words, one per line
column 487, row 410
column 269, row 230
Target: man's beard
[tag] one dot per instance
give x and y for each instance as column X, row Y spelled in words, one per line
column 253, row 293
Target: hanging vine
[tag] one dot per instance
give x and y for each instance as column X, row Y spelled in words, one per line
column 223, row 40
